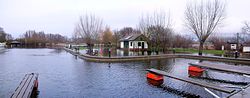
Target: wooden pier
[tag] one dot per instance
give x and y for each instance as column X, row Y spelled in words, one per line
column 28, row 86
column 193, row 81
column 243, row 93
column 244, row 70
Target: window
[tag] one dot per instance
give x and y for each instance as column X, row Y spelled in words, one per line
column 139, row 43
column 131, row 43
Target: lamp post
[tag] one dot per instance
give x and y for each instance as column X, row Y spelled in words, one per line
column 237, row 46
column 109, row 46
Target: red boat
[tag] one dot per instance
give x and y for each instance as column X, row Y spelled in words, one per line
column 154, row 79
column 195, row 71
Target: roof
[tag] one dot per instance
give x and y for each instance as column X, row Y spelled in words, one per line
column 15, row 42
column 131, row 37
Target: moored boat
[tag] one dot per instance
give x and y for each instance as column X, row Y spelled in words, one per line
column 154, row 79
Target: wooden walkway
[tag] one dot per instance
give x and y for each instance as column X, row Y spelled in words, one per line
column 193, row 81
column 244, row 93
column 227, row 68
column 26, row 87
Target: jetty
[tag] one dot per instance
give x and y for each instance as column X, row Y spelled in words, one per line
column 193, row 81
column 244, row 70
column 28, row 87
column 241, row 92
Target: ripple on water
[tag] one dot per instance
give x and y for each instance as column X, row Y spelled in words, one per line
column 63, row 76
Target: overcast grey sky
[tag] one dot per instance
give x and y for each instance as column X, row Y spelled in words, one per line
column 60, row 16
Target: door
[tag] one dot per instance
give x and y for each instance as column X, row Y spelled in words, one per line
column 126, row 44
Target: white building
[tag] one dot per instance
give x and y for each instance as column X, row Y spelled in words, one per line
column 2, row 45
column 246, row 48
column 135, row 41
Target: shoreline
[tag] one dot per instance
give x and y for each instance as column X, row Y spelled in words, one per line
column 154, row 57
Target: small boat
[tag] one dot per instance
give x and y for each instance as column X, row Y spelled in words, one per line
column 154, row 79
column 195, row 71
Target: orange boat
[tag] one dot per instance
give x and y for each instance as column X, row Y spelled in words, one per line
column 195, row 71
column 154, row 79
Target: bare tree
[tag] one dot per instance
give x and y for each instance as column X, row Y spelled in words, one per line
column 182, row 41
column 217, row 41
column 2, row 35
column 128, row 31
column 116, row 37
column 156, row 28
column 203, row 18
column 245, row 34
column 107, row 36
column 246, row 28
column 89, row 27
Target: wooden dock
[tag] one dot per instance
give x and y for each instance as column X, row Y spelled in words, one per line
column 193, row 81
column 27, row 87
column 245, row 70
column 243, row 93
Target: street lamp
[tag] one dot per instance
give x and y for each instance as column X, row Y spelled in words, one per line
column 109, row 46
column 237, row 47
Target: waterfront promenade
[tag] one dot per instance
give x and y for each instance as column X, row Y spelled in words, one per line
column 161, row 56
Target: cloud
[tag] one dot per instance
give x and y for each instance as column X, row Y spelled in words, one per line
column 59, row 16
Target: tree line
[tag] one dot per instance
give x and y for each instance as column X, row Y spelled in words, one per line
column 32, row 38
column 4, row 37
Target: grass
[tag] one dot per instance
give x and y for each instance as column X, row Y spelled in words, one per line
column 189, row 50
column 82, row 48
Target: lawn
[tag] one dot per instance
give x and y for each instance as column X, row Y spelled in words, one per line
column 189, row 50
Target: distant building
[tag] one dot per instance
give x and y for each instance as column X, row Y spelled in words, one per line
column 15, row 44
column 134, row 41
column 2, row 45
column 233, row 45
column 246, row 48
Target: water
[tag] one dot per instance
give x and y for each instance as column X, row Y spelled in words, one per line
column 61, row 75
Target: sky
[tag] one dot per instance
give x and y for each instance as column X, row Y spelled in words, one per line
column 60, row 16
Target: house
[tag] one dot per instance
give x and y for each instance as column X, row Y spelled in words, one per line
column 246, row 48
column 2, row 45
column 232, row 45
column 134, row 42
column 15, row 44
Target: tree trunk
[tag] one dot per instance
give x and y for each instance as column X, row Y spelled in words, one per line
column 201, row 48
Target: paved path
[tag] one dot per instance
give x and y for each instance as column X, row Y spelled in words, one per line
column 162, row 56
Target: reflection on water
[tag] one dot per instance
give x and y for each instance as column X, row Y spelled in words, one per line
column 61, row 75
column 104, row 51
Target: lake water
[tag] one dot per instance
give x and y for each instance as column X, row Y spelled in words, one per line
column 62, row 75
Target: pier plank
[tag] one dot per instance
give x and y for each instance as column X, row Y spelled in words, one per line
column 193, row 81
column 22, row 91
column 243, row 93
column 227, row 68
column 21, row 85
column 25, row 89
column 29, row 89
